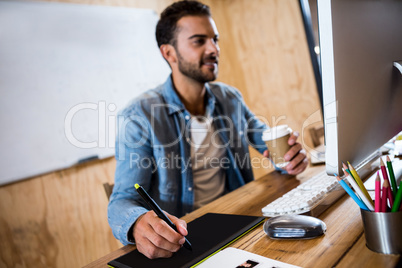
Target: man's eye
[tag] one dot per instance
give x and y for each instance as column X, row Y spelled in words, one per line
column 199, row 41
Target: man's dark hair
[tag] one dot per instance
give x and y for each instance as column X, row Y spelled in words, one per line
column 167, row 24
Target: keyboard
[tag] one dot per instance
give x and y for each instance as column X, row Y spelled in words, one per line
column 311, row 197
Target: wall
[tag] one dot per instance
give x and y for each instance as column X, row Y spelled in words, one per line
column 59, row 219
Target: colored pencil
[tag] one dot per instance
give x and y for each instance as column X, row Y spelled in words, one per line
column 359, row 181
column 377, row 200
column 346, row 168
column 368, row 202
column 385, row 177
column 384, row 196
column 398, row 198
column 392, row 176
column 351, row 193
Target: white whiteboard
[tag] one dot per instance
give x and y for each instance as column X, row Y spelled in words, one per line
column 65, row 65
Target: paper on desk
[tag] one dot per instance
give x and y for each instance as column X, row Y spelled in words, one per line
column 397, row 167
column 237, row 258
column 317, row 155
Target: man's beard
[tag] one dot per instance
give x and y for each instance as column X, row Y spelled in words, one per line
column 194, row 71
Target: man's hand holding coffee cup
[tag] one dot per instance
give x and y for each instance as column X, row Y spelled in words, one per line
column 296, row 156
column 284, row 150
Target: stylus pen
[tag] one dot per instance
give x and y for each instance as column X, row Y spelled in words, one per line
column 152, row 204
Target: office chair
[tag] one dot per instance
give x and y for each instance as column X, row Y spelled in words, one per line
column 108, row 189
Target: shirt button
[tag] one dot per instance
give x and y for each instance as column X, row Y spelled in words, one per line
column 240, row 132
column 187, row 117
column 190, row 188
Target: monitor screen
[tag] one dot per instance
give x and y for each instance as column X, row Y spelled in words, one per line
column 361, row 50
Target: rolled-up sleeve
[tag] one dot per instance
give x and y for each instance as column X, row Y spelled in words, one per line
column 133, row 148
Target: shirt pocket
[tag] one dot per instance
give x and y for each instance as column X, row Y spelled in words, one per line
column 168, row 167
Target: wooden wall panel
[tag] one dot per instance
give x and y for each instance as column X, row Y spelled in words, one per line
column 264, row 54
column 59, row 219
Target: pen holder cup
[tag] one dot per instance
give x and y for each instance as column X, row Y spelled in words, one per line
column 383, row 231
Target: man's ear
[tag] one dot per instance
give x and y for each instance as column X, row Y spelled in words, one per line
column 168, row 53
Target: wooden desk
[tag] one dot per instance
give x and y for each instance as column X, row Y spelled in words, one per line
column 343, row 245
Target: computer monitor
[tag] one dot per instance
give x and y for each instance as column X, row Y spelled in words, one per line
column 361, row 51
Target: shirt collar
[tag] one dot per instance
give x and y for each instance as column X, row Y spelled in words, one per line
column 173, row 100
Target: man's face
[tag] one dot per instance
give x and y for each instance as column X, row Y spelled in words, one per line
column 197, row 48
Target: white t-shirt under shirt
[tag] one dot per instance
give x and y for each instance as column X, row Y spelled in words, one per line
column 206, row 154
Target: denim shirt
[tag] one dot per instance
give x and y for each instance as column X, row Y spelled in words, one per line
column 153, row 150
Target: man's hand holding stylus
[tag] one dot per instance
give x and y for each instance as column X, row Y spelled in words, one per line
column 155, row 239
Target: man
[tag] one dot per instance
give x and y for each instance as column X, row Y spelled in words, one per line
column 186, row 142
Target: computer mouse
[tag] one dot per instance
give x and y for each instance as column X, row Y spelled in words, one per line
column 294, row 227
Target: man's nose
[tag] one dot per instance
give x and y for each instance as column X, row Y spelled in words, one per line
column 212, row 47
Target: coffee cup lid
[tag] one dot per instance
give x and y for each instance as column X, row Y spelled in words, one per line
column 276, row 132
